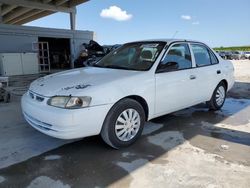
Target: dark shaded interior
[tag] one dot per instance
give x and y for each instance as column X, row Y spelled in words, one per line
column 59, row 52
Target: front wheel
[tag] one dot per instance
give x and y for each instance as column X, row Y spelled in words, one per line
column 123, row 124
column 218, row 98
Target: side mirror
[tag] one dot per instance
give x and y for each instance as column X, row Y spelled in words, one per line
column 167, row 67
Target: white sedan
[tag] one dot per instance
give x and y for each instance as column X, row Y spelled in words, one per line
column 135, row 83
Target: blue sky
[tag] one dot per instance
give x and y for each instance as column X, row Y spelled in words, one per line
column 216, row 22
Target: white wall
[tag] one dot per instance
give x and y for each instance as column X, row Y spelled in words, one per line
column 18, row 39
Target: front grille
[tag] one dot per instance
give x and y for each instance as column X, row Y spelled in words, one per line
column 39, row 99
column 31, row 95
column 36, row 97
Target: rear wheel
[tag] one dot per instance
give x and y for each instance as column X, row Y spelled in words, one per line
column 123, row 124
column 218, row 97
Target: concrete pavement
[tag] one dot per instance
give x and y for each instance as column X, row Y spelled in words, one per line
column 190, row 148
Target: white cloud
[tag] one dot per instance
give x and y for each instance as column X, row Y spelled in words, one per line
column 116, row 13
column 186, row 17
column 196, row 23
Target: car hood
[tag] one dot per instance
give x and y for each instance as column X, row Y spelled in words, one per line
column 73, row 81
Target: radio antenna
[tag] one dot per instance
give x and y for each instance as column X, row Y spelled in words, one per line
column 174, row 34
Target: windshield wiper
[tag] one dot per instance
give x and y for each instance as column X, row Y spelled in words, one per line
column 109, row 66
column 96, row 65
column 114, row 67
column 118, row 67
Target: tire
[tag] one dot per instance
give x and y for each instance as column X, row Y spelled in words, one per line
column 114, row 130
column 218, row 97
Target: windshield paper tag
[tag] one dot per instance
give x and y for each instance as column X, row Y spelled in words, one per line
column 149, row 45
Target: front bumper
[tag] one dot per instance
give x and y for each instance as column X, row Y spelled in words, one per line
column 64, row 123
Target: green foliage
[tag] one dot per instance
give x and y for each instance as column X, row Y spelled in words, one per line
column 234, row 48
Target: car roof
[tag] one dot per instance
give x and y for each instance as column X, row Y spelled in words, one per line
column 168, row 40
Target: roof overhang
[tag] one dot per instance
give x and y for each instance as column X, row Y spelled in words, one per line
column 18, row 12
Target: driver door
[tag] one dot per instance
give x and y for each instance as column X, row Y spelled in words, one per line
column 174, row 81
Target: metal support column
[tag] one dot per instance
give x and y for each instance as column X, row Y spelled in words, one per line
column 73, row 20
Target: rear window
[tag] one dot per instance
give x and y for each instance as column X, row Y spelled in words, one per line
column 201, row 55
column 214, row 59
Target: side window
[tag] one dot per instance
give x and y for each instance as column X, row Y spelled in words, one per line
column 214, row 60
column 201, row 55
column 177, row 58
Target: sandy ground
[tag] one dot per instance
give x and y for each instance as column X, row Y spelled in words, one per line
column 242, row 70
column 242, row 79
column 190, row 148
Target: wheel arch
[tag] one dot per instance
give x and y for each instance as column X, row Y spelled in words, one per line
column 224, row 81
column 142, row 102
column 107, row 135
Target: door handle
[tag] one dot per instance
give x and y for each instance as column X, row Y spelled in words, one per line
column 218, row 71
column 192, row 77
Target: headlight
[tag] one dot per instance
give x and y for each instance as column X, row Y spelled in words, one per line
column 69, row 102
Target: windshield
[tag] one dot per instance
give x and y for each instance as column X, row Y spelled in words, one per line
column 133, row 56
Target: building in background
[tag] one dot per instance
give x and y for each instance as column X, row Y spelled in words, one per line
column 30, row 50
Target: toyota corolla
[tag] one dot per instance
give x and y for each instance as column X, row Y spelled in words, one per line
column 135, row 83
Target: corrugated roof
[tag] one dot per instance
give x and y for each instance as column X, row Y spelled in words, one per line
column 18, row 12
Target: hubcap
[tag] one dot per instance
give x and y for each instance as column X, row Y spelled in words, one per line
column 127, row 125
column 220, row 95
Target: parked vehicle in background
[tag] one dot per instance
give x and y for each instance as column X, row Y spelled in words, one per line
column 228, row 55
column 247, row 54
column 222, row 54
column 92, row 53
column 135, row 83
column 237, row 55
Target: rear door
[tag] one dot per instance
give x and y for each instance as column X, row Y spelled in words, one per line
column 207, row 72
